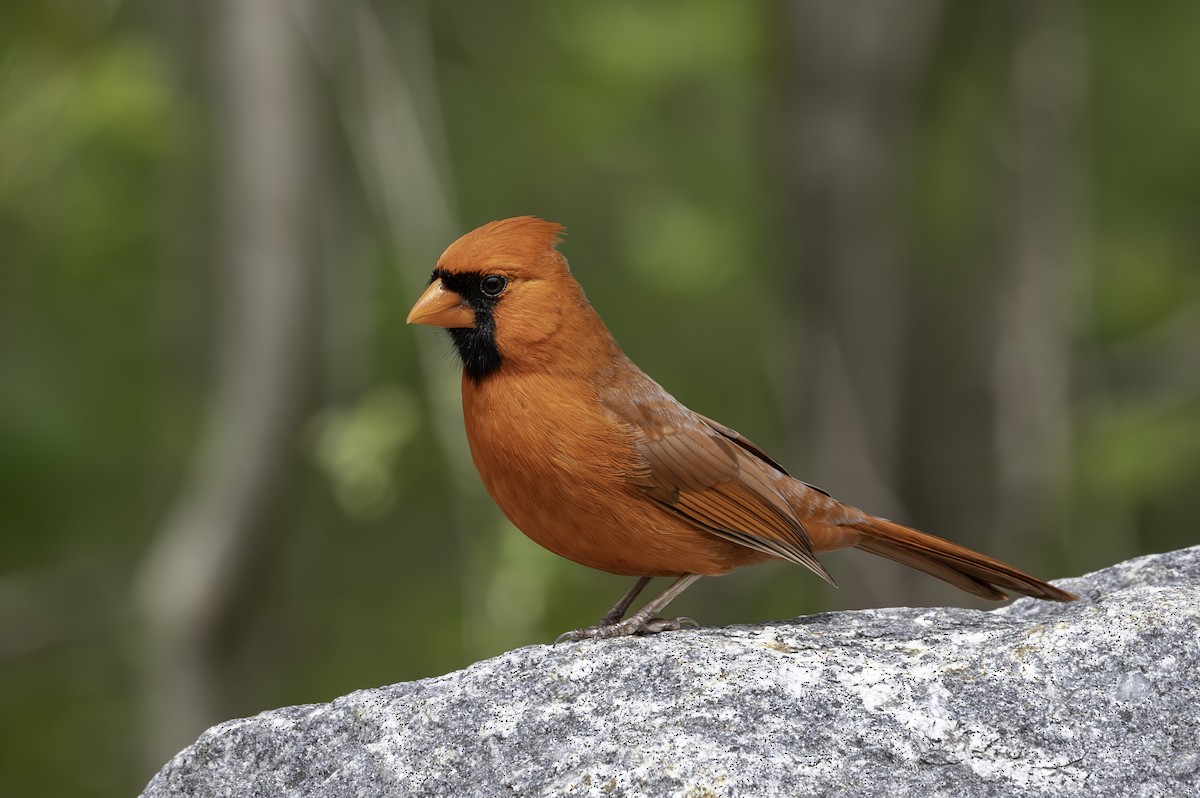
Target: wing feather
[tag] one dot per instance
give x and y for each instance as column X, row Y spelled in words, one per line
column 719, row 484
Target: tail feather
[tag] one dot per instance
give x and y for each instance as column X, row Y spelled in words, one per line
column 932, row 567
column 967, row 570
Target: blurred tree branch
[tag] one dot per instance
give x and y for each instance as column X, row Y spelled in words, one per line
column 854, row 71
column 1034, row 362
column 191, row 575
column 389, row 108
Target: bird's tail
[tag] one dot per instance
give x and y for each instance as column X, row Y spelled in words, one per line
column 967, row 570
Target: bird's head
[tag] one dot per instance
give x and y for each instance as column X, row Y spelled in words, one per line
column 504, row 292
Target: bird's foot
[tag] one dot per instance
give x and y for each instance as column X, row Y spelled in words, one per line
column 629, row 626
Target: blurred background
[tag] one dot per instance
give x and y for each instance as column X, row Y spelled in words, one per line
column 942, row 259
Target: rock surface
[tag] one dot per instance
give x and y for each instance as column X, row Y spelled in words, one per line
column 1101, row 697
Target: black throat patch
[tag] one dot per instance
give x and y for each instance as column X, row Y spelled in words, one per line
column 476, row 345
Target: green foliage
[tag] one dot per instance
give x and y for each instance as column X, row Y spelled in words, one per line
column 357, row 448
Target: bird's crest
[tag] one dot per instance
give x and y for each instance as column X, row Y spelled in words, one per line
column 520, row 244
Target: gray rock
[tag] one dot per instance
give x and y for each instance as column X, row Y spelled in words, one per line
column 1097, row 698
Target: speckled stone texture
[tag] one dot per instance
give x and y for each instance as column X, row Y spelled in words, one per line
column 1101, row 698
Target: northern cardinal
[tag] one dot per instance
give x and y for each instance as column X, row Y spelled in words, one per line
column 594, row 461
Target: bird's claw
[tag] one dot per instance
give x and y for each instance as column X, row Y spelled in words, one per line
column 656, row 625
column 630, row 626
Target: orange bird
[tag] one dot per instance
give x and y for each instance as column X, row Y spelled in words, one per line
column 594, row 461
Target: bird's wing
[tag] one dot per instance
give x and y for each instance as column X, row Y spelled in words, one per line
column 703, row 473
column 751, row 447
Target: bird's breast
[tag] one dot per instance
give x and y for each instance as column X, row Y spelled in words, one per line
column 559, row 465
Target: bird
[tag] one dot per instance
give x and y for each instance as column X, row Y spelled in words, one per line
column 593, row 460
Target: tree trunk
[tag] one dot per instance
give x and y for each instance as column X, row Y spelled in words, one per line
column 192, row 574
column 1034, row 362
column 854, row 70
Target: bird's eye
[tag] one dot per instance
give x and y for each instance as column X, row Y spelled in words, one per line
column 493, row 285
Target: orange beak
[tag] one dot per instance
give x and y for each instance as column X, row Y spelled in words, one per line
column 441, row 307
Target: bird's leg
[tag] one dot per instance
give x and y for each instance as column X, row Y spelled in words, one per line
column 641, row 622
column 618, row 610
